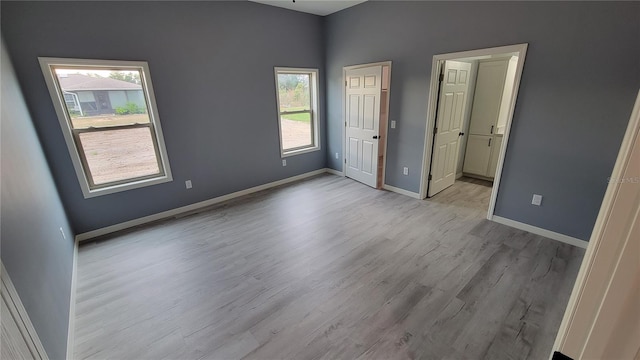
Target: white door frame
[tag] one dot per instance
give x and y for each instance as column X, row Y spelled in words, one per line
column 19, row 314
column 344, row 114
column 520, row 50
column 578, row 334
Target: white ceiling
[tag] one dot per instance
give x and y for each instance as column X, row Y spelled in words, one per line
column 318, row 7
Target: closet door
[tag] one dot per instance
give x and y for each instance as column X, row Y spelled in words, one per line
column 488, row 96
column 478, row 154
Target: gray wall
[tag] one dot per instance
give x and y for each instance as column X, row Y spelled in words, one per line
column 37, row 258
column 211, row 64
column 212, row 70
column 581, row 75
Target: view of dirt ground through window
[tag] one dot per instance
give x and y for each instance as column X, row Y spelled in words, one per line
column 116, row 155
column 295, row 133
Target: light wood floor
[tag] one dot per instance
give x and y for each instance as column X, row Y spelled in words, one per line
column 325, row 268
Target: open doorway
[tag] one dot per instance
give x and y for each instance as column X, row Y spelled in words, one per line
column 366, row 108
column 470, row 110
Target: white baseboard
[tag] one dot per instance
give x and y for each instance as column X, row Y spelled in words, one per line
column 72, row 304
column 335, row 172
column 173, row 212
column 401, row 191
column 540, row 231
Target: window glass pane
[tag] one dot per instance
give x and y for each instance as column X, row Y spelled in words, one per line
column 102, row 98
column 294, row 97
column 296, row 130
column 114, row 155
column 293, row 92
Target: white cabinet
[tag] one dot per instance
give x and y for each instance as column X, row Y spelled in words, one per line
column 496, row 144
column 476, row 160
column 482, row 155
column 487, row 98
column 491, row 97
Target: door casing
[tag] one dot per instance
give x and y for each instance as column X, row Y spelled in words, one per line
column 519, row 50
column 599, row 317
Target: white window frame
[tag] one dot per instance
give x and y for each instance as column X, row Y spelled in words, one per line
column 314, row 111
column 47, row 65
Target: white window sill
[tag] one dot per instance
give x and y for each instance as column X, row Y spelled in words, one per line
column 299, row 151
column 124, row 187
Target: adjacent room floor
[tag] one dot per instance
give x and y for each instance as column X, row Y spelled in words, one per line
column 325, row 268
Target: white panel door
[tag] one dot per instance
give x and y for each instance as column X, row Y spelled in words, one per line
column 476, row 159
column 488, row 96
column 451, row 107
column 362, row 110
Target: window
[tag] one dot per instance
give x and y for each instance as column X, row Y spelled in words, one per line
column 297, row 96
column 110, row 122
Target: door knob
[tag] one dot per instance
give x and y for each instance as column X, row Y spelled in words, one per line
column 375, row 137
column 461, row 134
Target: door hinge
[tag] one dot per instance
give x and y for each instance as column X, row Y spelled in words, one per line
column 345, row 124
column 430, row 177
column 345, row 160
column 345, row 83
column 441, row 76
column 435, row 130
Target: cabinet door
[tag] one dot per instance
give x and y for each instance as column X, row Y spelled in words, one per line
column 496, row 144
column 488, row 96
column 478, row 153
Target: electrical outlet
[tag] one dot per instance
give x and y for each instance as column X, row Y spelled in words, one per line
column 405, row 170
column 537, row 200
column 337, row 156
column 284, row 162
column 393, row 124
column 63, row 235
column 187, row 184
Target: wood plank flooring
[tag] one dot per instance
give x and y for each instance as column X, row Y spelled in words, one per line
column 326, row 268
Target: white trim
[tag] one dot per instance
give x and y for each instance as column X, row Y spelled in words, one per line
column 401, row 191
column 344, row 112
column 521, row 51
column 388, row 125
column 507, row 130
column 173, row 212
column 314, row 90
column 300, row 151
column 598, row 256
column 540, row 231
column 335, row 172
column 21, row 317
column 65, row 123
column 72, row 303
